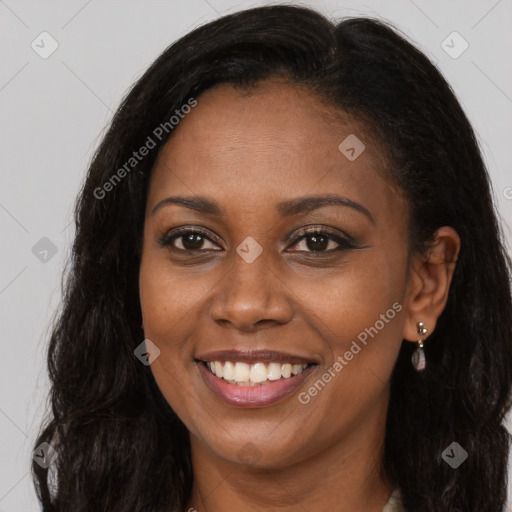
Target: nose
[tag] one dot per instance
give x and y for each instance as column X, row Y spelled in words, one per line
column 251, row 296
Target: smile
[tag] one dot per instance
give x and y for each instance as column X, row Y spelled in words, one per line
column 253, row 385
column 243, row 374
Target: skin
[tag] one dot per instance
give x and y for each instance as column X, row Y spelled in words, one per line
column 249, row 151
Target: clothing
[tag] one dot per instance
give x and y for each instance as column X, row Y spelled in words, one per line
column 394, row 503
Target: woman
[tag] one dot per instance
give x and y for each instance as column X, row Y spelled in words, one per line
column 288, row 289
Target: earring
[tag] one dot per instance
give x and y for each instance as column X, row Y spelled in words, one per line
column 418, row 358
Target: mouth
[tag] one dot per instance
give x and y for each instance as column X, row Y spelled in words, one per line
column 256, row 379
column 256, row 374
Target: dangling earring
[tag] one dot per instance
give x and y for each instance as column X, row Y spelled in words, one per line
column 418, row 358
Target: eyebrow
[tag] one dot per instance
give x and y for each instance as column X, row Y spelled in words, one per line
column 286, row 208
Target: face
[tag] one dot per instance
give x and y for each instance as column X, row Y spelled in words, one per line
column 274, row 279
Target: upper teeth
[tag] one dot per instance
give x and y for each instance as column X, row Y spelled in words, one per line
column 250, row 374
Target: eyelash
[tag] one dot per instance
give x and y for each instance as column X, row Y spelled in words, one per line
column 344, row 242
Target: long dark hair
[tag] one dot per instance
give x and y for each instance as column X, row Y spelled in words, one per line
column 120, row 446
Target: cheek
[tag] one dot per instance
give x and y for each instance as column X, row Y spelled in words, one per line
column 354, row 296
column 357, row 310
column 167, row 306
column 359, row 317
column 169, row 297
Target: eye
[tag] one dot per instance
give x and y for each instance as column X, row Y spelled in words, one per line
column 192, row 240
column 318, row 240
column 313, row 240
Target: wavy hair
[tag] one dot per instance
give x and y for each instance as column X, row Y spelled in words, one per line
column 120, row 445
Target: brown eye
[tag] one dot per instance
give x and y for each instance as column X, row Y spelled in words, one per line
column 192, row 240
column 321, row 241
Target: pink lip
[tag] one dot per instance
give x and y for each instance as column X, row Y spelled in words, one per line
column 252, row 396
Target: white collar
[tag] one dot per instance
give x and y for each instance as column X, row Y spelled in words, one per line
column 394, row 504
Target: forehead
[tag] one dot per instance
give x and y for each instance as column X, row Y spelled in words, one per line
column 274, row 141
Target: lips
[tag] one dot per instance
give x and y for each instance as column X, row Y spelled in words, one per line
column 254, row 394
column 255, row 356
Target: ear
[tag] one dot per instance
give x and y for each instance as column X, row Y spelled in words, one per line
column 429, row 280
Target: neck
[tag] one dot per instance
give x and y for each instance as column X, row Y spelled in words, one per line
column 342, row 477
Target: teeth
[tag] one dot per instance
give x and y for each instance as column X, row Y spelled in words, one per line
column 296, row 369
column 258, row 373
column 286, row 370
column 229, row 371
column 218, row 369
column 273, row 371
column 244, row 374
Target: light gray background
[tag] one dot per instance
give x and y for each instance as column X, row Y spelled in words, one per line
column 53, row 112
